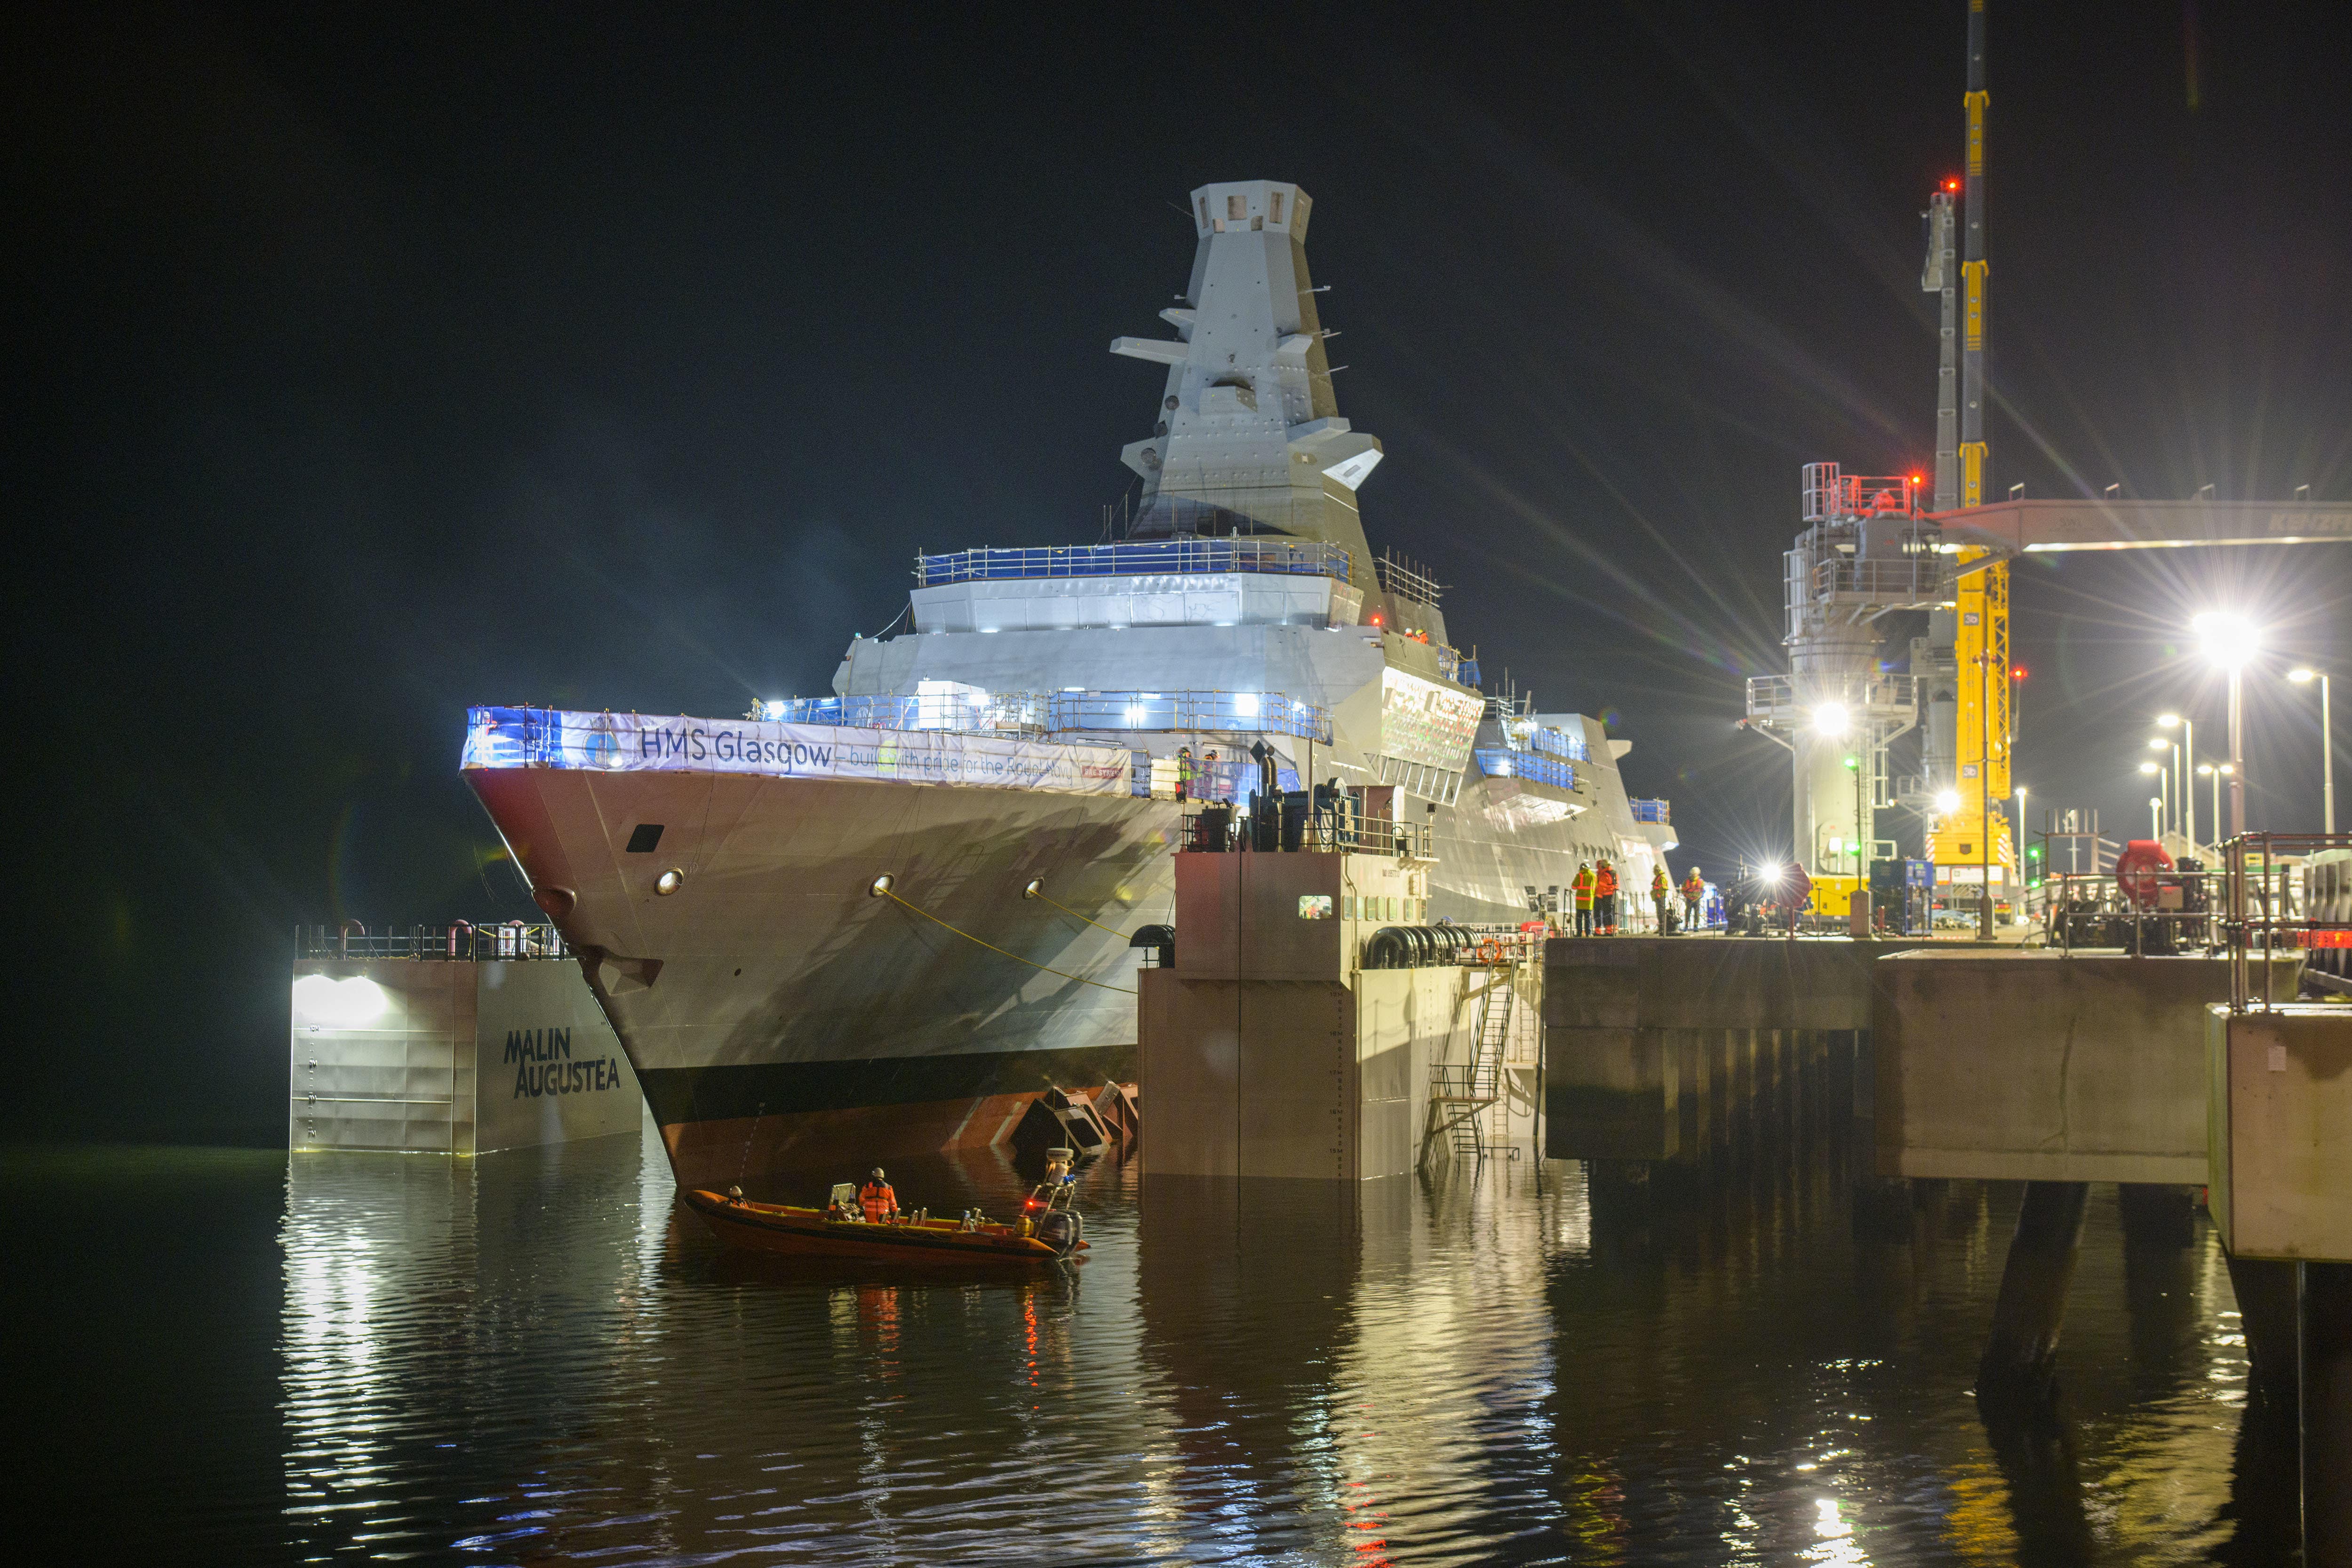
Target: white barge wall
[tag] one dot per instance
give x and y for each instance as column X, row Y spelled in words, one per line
column 452, row 1057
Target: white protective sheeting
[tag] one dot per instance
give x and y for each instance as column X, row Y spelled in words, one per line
column 634, row 743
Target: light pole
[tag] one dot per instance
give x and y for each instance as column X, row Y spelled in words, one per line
column 2218, row 774
column 2326, row 748
column 2156, row 770
column 2171, row 802
column 2188, row 764
column 2229, row 641
column 2155, row 815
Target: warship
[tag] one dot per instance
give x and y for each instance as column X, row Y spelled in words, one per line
column 883, row 920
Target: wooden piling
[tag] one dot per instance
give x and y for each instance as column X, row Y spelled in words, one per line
column 2326, row 1345
column 2020, row 1357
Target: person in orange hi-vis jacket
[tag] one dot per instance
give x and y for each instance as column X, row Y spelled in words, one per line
column 878, row 1198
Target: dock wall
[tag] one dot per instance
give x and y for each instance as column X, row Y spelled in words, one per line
column 456, row 1056
column 2037, row 1066
column 1649, row 1041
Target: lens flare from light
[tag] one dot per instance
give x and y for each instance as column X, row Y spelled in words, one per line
column 1948, row 801
column 2229, row 638
column 1831, row 719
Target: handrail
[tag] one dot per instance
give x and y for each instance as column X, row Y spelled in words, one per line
column 1246, row 713
column 439, row 944
column 1529, row 765
column 1040, row 713
column 2258, row 881
column 1287, row 558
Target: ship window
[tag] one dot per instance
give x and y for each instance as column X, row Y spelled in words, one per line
column 1274, row 207
column 648, row 835
column 1234, row 210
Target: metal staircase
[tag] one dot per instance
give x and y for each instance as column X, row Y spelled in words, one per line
column 1460, row 1093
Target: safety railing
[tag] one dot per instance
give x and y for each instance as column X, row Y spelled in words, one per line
column 1405, row 582
column 2152, row 912
column 2263, row 912
column 1533, row 765
column 1904, row 580
column 1293, row 825
column 1243, row 712
column 967, row 712
column 1526, row 734
column 1830, row 494
column 461, row 941
column 1196, row 557
column 1775, row 699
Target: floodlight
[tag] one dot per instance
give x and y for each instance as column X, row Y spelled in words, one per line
column 2168, row 721
column 1830, row 719
column 2148, row 767
column 2302, row 677
column 1947, row 800
column 2230, row 639
column 2158, row 743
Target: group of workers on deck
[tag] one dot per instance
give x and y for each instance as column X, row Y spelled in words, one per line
column 1595, row 892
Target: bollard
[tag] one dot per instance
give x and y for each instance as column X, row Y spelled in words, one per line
column 2020, row 1357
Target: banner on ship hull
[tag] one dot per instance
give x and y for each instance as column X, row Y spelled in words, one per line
column 644, row 743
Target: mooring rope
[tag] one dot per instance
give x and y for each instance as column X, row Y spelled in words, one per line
column 992, row 947
column 1076, row 916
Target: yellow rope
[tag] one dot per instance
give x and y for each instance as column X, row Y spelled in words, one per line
column 1076, row 916
column 992, row 947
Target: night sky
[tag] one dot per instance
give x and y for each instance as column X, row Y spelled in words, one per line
column 372, row 362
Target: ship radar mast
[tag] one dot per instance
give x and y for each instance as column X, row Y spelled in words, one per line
column 1248, row 437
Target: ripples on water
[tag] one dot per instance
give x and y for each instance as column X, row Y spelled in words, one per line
column 538, row 1358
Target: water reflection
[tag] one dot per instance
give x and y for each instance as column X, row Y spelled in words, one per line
column 540, row 1358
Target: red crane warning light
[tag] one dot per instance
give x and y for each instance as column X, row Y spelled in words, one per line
column 2017, row 673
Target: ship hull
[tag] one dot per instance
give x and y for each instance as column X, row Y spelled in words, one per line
column 780, row 1015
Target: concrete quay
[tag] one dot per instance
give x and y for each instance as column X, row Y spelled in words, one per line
column 2010, row 1065
column 1652, row 1045
column 2031, row 1065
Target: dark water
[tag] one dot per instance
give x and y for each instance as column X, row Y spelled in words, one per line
column 236, row 1357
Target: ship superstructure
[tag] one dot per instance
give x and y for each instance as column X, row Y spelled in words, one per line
column 922, row 914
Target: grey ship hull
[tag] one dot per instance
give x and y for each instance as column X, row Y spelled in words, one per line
column 780, row 1015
